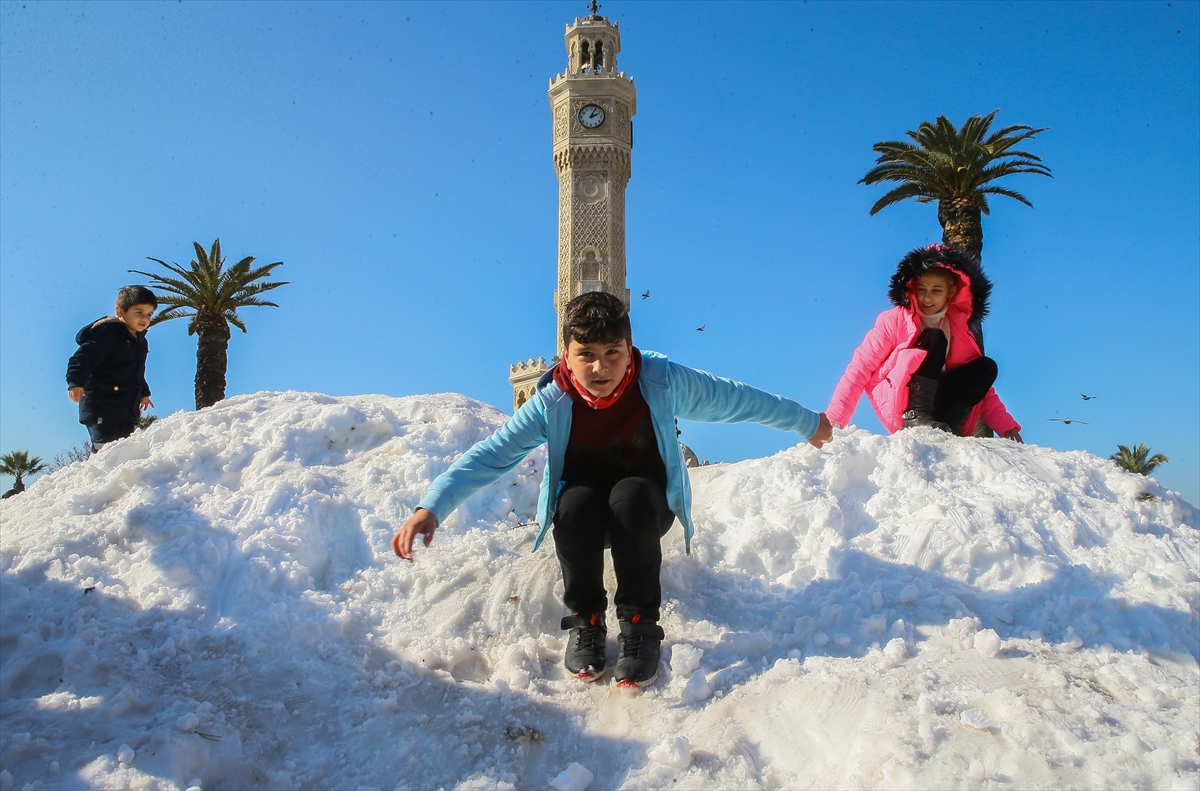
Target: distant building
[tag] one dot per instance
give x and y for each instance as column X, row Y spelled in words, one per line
column 592, row 105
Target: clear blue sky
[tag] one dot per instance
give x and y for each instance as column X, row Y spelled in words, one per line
column 396, row 157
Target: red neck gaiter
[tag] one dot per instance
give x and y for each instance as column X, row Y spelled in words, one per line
column 566, row 380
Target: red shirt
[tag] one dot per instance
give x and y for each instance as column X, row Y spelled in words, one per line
column 616, row 442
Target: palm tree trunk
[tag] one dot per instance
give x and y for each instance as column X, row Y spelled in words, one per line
column 961, row 226
column 212, row 357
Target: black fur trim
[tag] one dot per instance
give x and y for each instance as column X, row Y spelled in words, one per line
column 921, row 260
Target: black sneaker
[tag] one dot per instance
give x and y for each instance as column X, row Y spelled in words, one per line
column 641, row 646
column 585, row 645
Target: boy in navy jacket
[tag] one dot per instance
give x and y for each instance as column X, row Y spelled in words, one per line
column 106, row 376
column 614, row 478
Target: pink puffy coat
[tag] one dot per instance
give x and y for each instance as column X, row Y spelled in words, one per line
column 885, row 360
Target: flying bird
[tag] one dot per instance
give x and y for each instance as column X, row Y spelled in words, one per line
column 1086, row 397
column 1067, row 422
column 701, row 328
column 646, row 295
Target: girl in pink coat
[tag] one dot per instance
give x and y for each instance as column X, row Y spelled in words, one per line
column 923, row 363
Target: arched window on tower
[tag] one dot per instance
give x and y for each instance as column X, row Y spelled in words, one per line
column 599, row 57
column 585, row 57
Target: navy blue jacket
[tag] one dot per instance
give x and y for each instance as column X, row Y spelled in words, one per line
column 110, row 366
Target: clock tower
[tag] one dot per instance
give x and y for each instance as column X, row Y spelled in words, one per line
column 592, row 106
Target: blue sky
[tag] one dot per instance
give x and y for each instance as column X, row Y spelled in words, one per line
column 396, row 157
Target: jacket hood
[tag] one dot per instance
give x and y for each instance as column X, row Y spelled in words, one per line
column 85, row 334
column 975, row 284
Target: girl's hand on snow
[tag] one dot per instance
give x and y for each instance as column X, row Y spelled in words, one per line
column 1014, row 434
column 423, row 522
column 824, row 433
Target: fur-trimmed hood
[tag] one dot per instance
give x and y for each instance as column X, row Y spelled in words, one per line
column 921, row 260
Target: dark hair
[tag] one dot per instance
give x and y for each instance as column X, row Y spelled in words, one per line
column 595, row 317
column 129, row 296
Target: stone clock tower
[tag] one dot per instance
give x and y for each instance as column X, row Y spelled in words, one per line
column 592, row 105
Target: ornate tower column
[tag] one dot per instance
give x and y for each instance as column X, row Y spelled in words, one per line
column 592, row 104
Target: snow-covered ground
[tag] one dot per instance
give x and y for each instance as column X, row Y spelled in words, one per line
column 213, row 603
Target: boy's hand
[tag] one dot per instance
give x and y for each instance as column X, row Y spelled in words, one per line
column 146, row 403
column 75, row 394
column 1014, row 434
column 824, row 433
column 423, row 522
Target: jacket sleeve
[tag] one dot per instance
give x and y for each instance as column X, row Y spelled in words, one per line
column 996, row 415
column 700, row 396
column 90, row 354
column 868, row 358
column 487, row 460
column 145, row 384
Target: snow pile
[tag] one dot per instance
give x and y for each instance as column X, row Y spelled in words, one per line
column 213, row 603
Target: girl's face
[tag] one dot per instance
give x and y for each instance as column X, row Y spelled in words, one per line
column 933, row 292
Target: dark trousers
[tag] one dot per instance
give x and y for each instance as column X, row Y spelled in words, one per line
column 630, row 517
column 960, row 389
column 106, row 431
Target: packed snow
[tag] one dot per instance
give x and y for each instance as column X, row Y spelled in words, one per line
column 213, row 604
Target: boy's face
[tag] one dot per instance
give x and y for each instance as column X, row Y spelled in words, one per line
column 136, row 317
column 933, row 292
column 598, row 367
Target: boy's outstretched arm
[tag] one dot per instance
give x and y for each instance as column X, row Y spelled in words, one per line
column 484, row 463
column 707, row 398
column 422, row 522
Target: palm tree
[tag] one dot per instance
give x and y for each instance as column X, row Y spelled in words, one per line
column 146, row 421
column 956, row 168
column 18, row 464
column 1135, row 460
column 211, row 296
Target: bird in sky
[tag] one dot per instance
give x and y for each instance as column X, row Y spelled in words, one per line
column 646, row 295
column 701, row 328
column 1068, row 422
column 1086, row 397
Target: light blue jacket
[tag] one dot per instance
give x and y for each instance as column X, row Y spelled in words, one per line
column 671, row 390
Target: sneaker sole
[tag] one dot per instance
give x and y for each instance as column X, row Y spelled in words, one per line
column 588, row 676
column 629, row 683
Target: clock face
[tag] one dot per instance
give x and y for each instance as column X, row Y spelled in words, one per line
column 591, row 115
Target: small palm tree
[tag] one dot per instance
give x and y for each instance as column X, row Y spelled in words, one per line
column 146, row 421
column 1136, row 460
column 956, row 168
column 211, row 296
column 18, row 464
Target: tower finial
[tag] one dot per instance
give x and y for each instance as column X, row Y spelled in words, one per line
column 595, row 7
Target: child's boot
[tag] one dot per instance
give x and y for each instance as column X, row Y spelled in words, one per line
column 954, row 415
column 641, row 646
column 922, row 391
column 585, row 646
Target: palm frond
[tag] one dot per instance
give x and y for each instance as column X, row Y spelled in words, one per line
column 207, row 284
column 903, row 192
column 945, row 162
column 993, row 190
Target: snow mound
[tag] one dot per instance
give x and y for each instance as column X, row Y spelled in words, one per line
column 213, row 603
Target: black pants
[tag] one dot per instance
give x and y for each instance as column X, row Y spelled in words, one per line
column 106, row 431
column 630, row 517
column 965, row 386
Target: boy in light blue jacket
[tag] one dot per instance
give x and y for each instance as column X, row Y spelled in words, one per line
column 615, row 476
